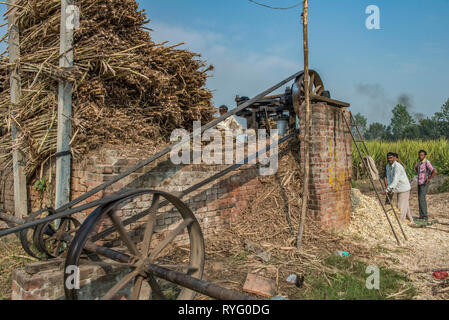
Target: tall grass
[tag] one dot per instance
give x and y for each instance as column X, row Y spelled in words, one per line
column 438, row 154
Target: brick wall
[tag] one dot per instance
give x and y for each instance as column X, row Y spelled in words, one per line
column 330, row 166
column 44, row 281
column 214, row 205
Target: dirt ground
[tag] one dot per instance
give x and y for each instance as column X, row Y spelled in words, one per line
column 370, row 240
column 426, row 250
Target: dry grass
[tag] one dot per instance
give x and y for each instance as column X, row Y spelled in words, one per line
column 12, row 257
column 127, row 89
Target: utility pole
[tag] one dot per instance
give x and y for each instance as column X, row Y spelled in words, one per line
column 63, row 155
column 306, row 180
column 20, row 181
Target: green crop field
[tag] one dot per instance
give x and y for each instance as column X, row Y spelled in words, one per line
column 438, row 154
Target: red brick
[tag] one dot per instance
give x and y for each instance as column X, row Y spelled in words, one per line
column 260, row 286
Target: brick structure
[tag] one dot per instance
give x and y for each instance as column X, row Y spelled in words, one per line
column 44, row 281
column 215, row 204
column 330, row 166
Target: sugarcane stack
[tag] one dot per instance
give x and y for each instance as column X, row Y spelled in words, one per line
column 128, row 90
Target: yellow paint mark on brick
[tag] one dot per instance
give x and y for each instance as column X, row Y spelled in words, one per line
column 336, row 177
column 331, row 178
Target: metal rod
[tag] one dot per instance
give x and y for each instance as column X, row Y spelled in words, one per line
column 234, row 167
column 200, row 286
column 178, row 278
column 105, row 252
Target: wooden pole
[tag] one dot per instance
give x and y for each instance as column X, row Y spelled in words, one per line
column 306, row 180
column 20, row 182
column 63, row 157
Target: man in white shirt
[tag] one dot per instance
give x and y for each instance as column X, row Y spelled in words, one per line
column 399, row 184
column 230, row 123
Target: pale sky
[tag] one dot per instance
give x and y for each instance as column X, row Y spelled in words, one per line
column 253, row 47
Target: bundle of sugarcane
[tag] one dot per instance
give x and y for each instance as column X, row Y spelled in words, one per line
column 127, row 89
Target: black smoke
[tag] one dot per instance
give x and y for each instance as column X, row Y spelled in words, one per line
column 381, row 104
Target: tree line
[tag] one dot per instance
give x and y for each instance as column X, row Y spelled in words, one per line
column 404, row 126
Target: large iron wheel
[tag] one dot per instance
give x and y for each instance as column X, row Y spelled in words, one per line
column 316, row 86
column 117, row 242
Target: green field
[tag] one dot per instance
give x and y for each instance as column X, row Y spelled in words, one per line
column 438, row 154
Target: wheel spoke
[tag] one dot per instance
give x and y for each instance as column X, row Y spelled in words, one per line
column 161, row 246
column 64, row 224
column 119, row 286
column 69, row 228
column 135, row 294
column 54, row 237
column 315, row 91
column 178, row 266
column 123, row 234
column 50, row 230
column 155, row 288
column 149, row 229
column 57, row 248
column 312, row 81
column 108, row 253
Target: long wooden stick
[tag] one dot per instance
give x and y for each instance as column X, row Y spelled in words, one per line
column 305, row 195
